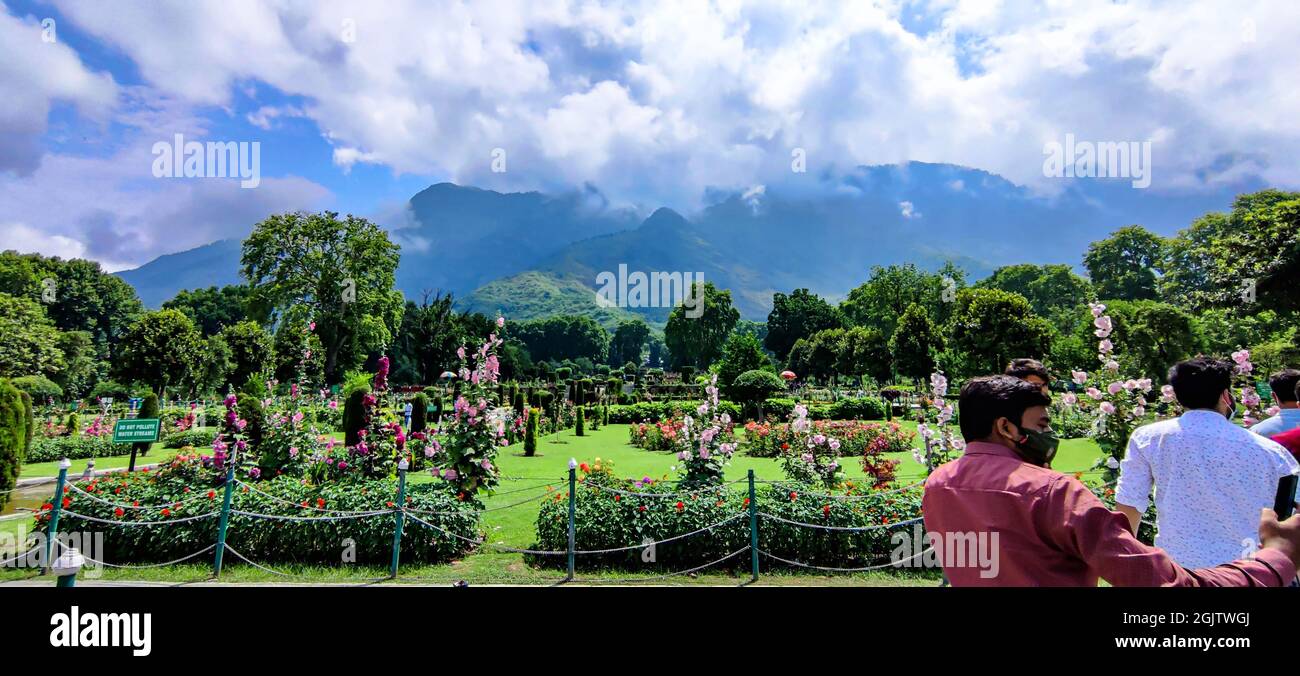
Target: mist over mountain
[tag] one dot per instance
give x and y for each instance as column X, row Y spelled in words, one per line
column 532, row 254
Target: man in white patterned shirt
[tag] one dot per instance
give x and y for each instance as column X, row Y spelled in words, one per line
column 1211, row 477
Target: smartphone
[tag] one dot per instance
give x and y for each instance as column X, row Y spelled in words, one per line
column 1284, row 503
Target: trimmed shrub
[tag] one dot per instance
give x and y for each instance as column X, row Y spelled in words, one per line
column 73, row 425
column 579, row 428
column 39, row 387
column 148, row 410
column 419, row 412
column 530, row 433
column 49, row 449
column 354, row 416
column 13, row 438
column 654, row 411
column 30, row 421
column 196, row 438
column 865, row 408
column 605, row 520
column 265, row 540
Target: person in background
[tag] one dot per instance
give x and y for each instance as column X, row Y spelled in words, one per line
column 1283, row 383
column 1032, row 371
column 1211, row 476
column 1047, row 528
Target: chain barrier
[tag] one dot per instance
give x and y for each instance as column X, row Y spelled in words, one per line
column 855, row 529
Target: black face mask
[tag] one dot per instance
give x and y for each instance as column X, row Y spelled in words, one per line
column 1037, row 448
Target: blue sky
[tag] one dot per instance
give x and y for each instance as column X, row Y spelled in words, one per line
column 359, row 105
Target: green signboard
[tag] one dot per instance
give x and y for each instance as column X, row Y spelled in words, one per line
column 139, row 429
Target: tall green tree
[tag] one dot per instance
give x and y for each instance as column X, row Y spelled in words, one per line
column 915, row 343
column 563, row 337
column 251, row 351
column 1149, row 336
column 881, row 301
column 1127, row 265
column 798, row 315
column 341, row 270
column 628, row 342
column 992, row 327
column 160, row 349
column 698, row 341
column 29, row 343
column 213, row 308
column 1050, row 289
column 741, row 353
column 865, row 352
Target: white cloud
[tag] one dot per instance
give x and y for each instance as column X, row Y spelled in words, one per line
column 908, row 210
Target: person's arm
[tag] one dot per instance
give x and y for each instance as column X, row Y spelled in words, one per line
column 1133, row 489
column 1081, row 525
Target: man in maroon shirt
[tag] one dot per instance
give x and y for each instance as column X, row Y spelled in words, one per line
column 1047, row 528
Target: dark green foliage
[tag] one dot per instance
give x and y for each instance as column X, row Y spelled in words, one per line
column 419, row 412
column 752, row 387
column 530, row 432
column 73, row 425
column 250, row 410
column 148, row 410
column 30, row 421
column 13, row 438
column 580, row 428
column 354, row 416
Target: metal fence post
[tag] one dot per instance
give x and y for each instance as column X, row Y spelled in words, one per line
column 573, row 510
column 753, row 529
column 225, row 518
column 53, row 531
column 399, row 516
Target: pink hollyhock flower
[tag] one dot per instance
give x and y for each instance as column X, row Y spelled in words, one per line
column 1080, row 377
column 501, row 321
column 1094, row 393
column 450, row 475
column 1114, row 388
column 1107, row 407
column 486, row 464
column 1273, row 410
column 1069, row 399
column 334, row 404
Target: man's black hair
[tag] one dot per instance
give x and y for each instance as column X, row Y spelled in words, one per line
column 1199, row 382
column 1024, row 367
column 1283, row 383
column 983, row 400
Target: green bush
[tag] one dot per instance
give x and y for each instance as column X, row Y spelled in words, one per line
column 354, row 416
column 197, row 438
column 30, row 422
column 654, row 411
column 865, row 408
column 530, row 432
column 73, row 425
column 111, row 388
column 13, row 438
column 49, row 449
column 148, row 410
column 605, row 520
column 39, row 387
column 197, row 491
column 579, row 428
column 419, row 412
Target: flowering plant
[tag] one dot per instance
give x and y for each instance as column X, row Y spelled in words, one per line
column 229, row 443
column 940, row 442
column 1249, row 396
column 705, row 444
column 468, row 440
column 812, row 457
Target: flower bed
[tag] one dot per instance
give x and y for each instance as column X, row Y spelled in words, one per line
column 765, row 440
column 184, row 488
column 605, row 520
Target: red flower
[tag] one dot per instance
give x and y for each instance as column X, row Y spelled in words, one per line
column 584, row 468
column 826, row 510
column 746, row 502
column 320, row 502
column 304, row 503
column 617, row 498
column 680, row 505
column 641, row 508
column 118, row 512
column 166, row 512
column 67, row 502
column 793, row 496
column 212, row 494
column 390, row 503
column 135, row 503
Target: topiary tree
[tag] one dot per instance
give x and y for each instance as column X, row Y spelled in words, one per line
column 593, row 414
column 354, row 415
column 518, row 402
column 13, row 438
column 73, row 426
column 30, row 422
column 148, row 410
column 751, row 388
column 579, row 428
column 530, row 432
column 250, row 411
column 419, row 412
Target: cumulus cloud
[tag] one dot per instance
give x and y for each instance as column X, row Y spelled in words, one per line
column 663, row 102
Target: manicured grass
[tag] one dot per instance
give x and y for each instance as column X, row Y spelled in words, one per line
column 47, row 469
column 514, row 512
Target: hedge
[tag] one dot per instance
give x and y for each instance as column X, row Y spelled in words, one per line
column 14, row 423
column 653, row 411
column 265, row 540
column 197, row 438
column 605, row 520
column 48, row 449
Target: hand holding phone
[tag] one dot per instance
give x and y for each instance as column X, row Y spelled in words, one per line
column 1284, row 502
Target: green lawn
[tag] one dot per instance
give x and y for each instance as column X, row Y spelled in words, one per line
column 47, row 469
column 515, row 526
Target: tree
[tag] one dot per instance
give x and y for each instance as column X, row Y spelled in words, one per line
column 14, row 423
column 915, row 343
column 864, row 352
column 341, row 270
column 1126, row 265
column 251, row 351
column 1247, row 259
column 798, row 315
column 752, row 388
column 628, row 342
column 698, row 341
column 160, row 349
column 563, row 337
column 752, row 328
column 741, row 353
column 430, row 333
column 881, row 301
column 992, row 327
column 298, row 355
column 1050, row 289
column 29, row 343
column 1149, row 336
column 78, row 295
column 80, row 368
column 213, row 308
